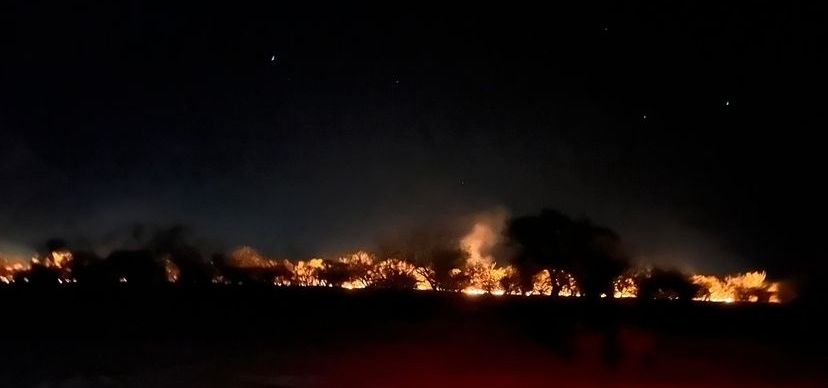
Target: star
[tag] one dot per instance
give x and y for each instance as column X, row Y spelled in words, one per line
column 727, row 103
column 644, row 117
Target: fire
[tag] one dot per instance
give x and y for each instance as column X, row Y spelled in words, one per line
column 483, row 274
column 55, row 259
column 625, row 287
column 395, row 273
column 172, row 270
column 559, row 283
column 306, row 273
column 485, row 278
column 746, row 287
column 60, row 258
column 8, row 268
column 360, row 264
column 361, row 269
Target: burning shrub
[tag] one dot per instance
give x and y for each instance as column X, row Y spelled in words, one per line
column 626, row 286
column 456, row 281
column 396, row 274
column 485, row 278
column 746, row 287
column 439, row 270
column 360, row 266
column 306, row 273
column 335, row 274
column 511, row 283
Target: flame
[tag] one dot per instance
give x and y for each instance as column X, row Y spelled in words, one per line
column 360, row 265
column 59, row 259
column 625, row 287
column 9, row 267
column 746, row 287
column 485, row 278
column 559, row 282
column 479, row 275
column 172, row 270
column 396, row 270
column 306, row 273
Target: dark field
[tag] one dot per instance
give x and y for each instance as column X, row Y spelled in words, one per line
column 240, row 337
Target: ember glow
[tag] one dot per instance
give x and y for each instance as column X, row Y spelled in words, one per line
column 746, row 287
column 483, row 274
column 479, row 274
column 625, row 287
column 8, row 268
column 58, row 262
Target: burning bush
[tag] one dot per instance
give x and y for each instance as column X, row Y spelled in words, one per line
column 554, row 256
column 746, row 287
column 397, row 274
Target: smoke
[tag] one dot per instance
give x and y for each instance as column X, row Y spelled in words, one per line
column 486, row 233
column 130, row 237
column 10, row 252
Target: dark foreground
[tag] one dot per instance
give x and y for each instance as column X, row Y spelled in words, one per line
column 234, row 337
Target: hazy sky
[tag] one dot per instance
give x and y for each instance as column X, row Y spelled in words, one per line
column 303, row 131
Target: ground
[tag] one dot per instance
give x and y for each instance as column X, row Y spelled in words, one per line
column 242, row 337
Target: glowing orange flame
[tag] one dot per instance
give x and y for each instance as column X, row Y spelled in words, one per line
column 480, row 274
column 171, row 270
column 625, row 287
column 746, row 287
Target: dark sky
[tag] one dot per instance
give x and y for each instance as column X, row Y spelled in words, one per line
column 689, row 128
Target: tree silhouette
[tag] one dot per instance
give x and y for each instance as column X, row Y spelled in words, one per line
column 438, row 270
column 335, row 273
column 512, row 283
column 394, row 274
column 667, row 284
column 173, row 244
column 360, row 267
column 592, row 254
column 88, row 268
column 254, row 270
column 139, row 267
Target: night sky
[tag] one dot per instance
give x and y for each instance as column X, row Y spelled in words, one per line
column 690, row 129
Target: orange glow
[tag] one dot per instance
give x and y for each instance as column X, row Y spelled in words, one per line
column 172, row 271
column 746, row 287
column 485, row 278
column 361, row 265
column 480, row 275
column 306, row 273
column 625, row 287
column 9, row 267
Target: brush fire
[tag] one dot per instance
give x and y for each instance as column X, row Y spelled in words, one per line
column 478, row 274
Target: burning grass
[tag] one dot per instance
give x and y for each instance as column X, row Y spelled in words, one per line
column 470, row 269
column 362, row 269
